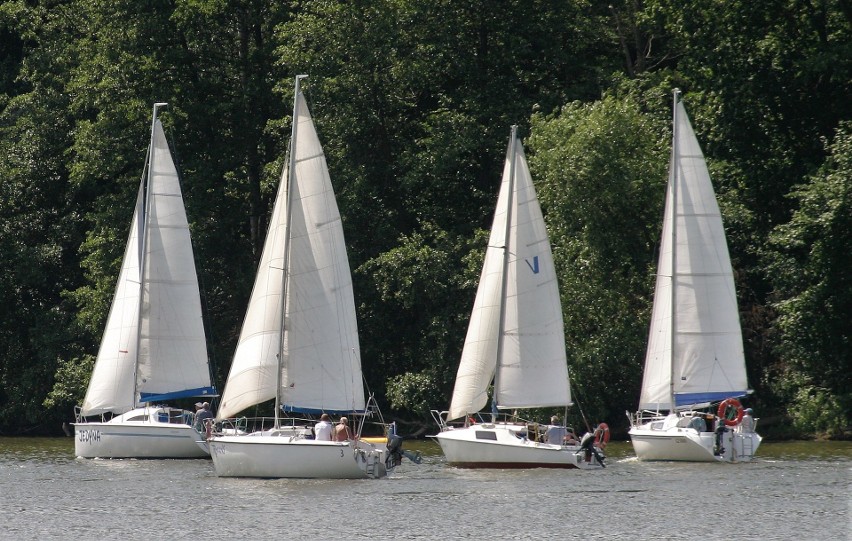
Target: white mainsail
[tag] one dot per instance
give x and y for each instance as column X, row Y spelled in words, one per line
column 314, row 328
column 695, row 350
column 153, row 346
column 525, row 355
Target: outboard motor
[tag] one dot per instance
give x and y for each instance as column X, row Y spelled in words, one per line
column 394, row 451
column 587, row 444
column 720, row 430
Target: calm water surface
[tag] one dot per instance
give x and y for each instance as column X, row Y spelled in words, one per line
column 792, row 491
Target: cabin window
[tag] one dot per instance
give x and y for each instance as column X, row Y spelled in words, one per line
column 139, row 418
column 684, row 422
column 483, row 435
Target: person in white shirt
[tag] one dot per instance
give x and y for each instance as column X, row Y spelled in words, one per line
column 324, row 430
column 747, row 424
column 555, row 434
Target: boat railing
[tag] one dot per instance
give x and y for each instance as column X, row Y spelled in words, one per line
column 293, row 426
column 152, row 412
column 97, row 418
column 440, row 418
column 246, row 425
column 481, row 418
column 645, row 416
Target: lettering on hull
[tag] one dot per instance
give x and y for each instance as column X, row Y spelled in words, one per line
column 88, row 436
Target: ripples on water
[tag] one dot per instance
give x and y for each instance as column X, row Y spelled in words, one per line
column 793, row 491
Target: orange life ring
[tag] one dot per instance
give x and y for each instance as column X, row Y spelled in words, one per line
column 725, row 412
column 602, row 435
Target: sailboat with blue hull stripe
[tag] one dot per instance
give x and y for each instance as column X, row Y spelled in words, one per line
column 695, row 373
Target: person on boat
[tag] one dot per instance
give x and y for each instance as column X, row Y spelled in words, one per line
column 192, row 418
column 324, row 430
column 571, row 438
column 746, row 426
column 720, row 430
column 698, row 423
column 556, row 433
column 201, row 416
column 342, row 432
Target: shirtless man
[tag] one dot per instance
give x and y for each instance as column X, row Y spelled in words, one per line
column 342, row 432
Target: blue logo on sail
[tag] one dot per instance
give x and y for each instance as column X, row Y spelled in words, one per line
column 534, row 265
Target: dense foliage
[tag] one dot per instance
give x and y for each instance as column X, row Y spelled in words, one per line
column 413, row 100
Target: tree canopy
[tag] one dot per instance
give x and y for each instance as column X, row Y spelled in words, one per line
column 413, row 101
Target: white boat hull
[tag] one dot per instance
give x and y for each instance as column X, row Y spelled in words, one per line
column 689, row 445
column 498, row 446
column 123, row 438
column 271, row 456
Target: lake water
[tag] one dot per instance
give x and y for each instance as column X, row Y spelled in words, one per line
column 795, row 491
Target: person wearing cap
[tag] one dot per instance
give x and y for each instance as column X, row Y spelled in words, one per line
column 194, row 419
column 202, row 414
column 747, row 423
column 342, row 432
column 324, row 430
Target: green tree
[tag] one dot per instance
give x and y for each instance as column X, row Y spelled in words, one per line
column 763, row 86
column 431, row 279
column 39, row 224
column 600, row 172
column 810, row 269
column 211, row 61
column 413, row 99
column 413, row 102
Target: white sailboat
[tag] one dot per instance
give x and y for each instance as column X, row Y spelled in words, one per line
column 299, row 341
column 153, row 348
column 695, row 354
column 515, row 338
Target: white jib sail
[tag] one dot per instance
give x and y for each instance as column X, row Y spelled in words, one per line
column 708, row 360
column 112, row 382
column 533, row 371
